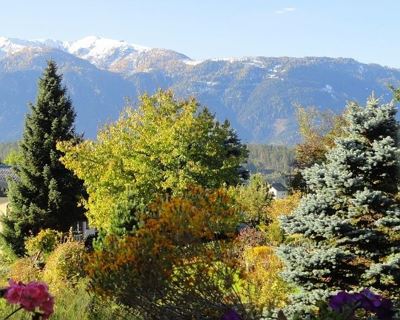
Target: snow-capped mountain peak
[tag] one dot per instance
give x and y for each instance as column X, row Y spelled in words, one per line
column 10, row 46
column 103, row 52
column 101, row 45
column 50, row 43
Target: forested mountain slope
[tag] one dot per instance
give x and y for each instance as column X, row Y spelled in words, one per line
column 257, row 94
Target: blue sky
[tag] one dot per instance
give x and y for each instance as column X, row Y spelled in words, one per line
column 367, row 30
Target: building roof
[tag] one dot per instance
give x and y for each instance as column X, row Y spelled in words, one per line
column 5, row 173
column 278, row 186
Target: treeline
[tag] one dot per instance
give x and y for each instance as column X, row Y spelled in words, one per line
column 263, row 158
column 273, row 161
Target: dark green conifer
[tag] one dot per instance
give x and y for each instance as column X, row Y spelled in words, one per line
column 46, row 194
column 345, row 232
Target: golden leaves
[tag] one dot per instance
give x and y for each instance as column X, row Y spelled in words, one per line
column 177, row 231
column 158, row 149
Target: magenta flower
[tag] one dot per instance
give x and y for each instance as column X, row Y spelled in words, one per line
column 32, row 296
column 14, row 292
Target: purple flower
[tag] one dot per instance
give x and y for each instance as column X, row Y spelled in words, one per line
column 382, row 307
column 230, row 315
column 370, row 300
column 341, row 299
column 366, row 300
column 385, row 311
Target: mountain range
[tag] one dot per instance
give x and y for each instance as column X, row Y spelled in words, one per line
column 256, row 94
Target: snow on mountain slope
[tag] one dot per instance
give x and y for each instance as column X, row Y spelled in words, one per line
column 116, row 55
column 54, row 44
column 99, row 51
column 256, row 94
column 103, row 52
column 113, row 55
column 10, row 46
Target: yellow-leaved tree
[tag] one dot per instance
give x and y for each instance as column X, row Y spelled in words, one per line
column 157, row 149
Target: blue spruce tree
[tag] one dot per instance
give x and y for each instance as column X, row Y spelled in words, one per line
column 344, row 235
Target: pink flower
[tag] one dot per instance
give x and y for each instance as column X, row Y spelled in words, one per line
column 31, row 296
column 14, row 292
column 47, row 308
column 36, row 292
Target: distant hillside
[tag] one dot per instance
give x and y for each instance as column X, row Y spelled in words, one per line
column 269, row 158
column 274, row 162
column 256, row 94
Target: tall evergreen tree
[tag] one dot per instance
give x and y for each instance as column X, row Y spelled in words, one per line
column 345, row 232
column 46, row 193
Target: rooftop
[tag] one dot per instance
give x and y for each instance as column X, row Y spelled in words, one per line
column 5, row 173
column 278, row 186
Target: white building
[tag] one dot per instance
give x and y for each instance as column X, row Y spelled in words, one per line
column 82, row 228
column 278, row 190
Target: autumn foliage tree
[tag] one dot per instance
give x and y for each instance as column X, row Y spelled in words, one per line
column 158, row 149
column 318, row 131
column 177, row 265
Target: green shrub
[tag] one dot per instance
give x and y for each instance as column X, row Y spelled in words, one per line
column 25, row 270
column 44, row 242
column 65, row 265
column 107, row 309
column 6, row 309
column 79, row 303
column 7, row 258
column 72, row 302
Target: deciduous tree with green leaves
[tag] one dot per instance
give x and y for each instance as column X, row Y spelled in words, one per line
column 318, row 130
column 158, row 149
column 46, row 194
column 345, row 232
column 253, row 200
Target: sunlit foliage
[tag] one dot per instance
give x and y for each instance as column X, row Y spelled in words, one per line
column 318, row 130
column 346, row 226
column 253, row 200
column 158, row 149
column 177, row 264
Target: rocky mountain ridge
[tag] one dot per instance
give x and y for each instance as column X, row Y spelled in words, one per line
column 256, row 94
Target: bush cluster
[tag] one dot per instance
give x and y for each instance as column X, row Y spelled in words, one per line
column 183, row 235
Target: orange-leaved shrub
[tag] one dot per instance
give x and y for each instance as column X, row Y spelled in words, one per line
column 178, row 264
column 25, row 269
